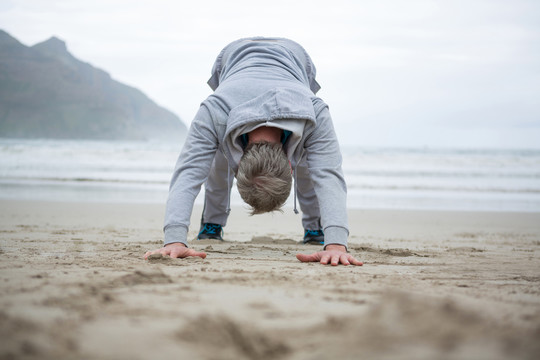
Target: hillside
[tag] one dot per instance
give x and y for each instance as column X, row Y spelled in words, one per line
column 45, row 92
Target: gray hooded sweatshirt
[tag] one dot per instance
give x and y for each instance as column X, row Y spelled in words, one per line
column 261, row 82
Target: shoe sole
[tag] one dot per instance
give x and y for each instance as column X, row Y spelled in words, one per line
column 210, row 238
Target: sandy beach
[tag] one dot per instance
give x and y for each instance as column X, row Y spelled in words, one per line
column 435, row 285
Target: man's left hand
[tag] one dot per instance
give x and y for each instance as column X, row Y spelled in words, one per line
column 333, row 254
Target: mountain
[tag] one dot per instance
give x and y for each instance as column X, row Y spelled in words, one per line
column 45, row 92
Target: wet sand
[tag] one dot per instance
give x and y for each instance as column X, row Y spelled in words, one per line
column 435, row 285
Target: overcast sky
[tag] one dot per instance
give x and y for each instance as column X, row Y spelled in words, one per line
column 395, row 73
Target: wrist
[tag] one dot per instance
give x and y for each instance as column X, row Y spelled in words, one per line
column 336, row 247
column 176, row 244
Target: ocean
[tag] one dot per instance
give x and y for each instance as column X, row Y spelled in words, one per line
column 377, row 178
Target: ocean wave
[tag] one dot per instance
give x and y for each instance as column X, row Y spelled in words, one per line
column 434, row 188
column 37, row 180
column 442, row 174
column 501, row 178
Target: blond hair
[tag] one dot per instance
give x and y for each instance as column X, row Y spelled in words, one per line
column 264, row 178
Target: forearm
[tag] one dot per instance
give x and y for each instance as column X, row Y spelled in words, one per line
column 324, row 162
column 183, row 191
column 332, row 196
column 190, row 173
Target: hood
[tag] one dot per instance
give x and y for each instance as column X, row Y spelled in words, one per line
column 285, row 108
column 251, row 58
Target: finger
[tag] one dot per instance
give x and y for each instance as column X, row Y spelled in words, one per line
column 325, row 259
column 335, row 260
column 344, row 259
column 163, row 251
column 353, row 261
column 306, row 257
column 148, row 253
column 200, row 254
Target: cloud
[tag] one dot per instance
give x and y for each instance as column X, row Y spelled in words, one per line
column 420, row 66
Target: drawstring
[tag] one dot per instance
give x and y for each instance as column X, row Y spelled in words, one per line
column 295, row 187
column 228, row 210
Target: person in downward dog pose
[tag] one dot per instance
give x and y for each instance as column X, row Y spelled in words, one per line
column 265, row 125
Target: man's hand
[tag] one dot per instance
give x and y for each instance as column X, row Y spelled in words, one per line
column 176, row 250
column 333, row 254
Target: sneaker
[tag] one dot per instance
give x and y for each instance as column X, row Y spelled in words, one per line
column 314, row 237
column 210, row 231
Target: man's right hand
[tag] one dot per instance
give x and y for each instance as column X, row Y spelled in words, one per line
column 176, row 250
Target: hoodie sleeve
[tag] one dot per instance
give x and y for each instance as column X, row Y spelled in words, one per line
column 324, row 163
column 190, row 173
